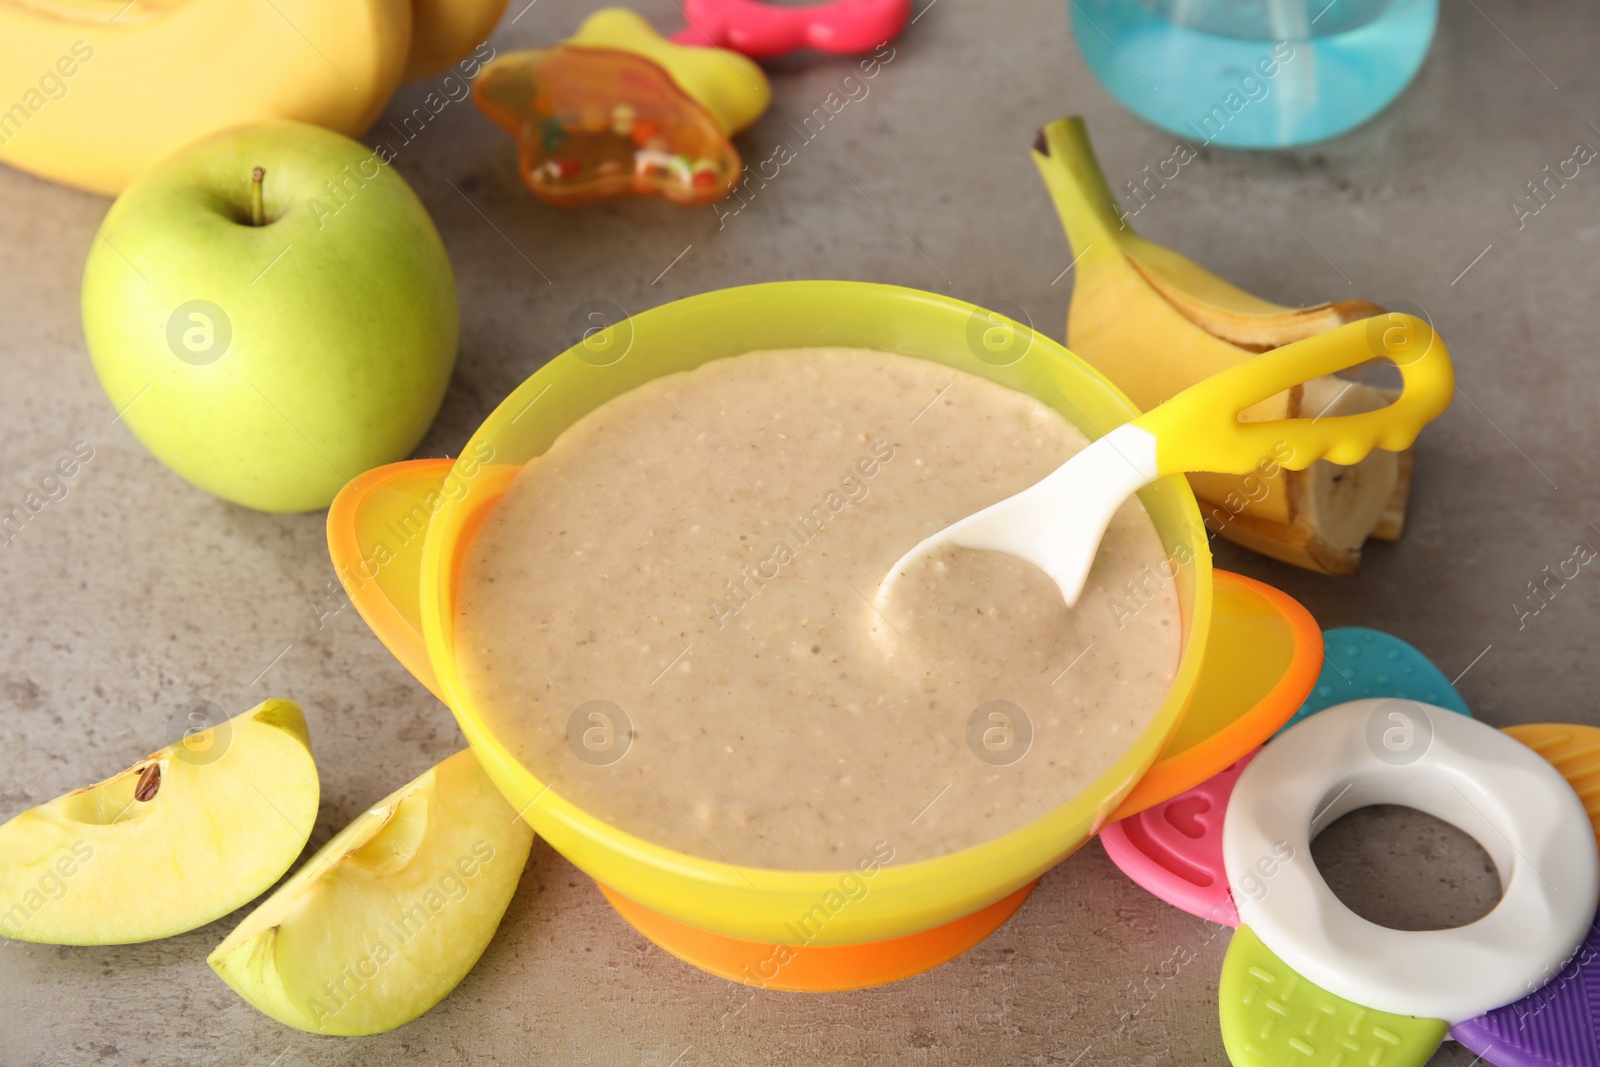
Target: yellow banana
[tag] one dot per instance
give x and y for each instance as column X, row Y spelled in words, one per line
column 1156, row 322
column 446, row 31
column 92, row 92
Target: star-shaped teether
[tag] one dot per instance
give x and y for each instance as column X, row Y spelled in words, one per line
column 619, row 109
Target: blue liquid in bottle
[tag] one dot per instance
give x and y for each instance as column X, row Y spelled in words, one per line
column 1255, row 73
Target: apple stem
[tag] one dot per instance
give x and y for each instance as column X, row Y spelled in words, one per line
column 257, row 215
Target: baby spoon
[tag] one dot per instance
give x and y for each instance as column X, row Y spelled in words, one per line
column 1057, row 523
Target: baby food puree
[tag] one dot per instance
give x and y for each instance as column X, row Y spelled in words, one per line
column 669, row 616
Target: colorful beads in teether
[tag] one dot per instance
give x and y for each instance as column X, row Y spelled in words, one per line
column 764, row 30
column 618, row 109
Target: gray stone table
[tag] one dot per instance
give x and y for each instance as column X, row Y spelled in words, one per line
column 136, row 592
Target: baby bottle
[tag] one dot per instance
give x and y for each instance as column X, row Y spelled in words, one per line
column 1254, row 73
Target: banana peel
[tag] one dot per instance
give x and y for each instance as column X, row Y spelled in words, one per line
column 1156, row 322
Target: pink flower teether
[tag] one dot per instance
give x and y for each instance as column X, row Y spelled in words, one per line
column 1174, row 849
column 762, row 30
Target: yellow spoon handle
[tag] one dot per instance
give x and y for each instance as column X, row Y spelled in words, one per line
column 1199, row 429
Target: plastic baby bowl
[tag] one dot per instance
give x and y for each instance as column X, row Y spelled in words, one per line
column 398, row 535
column 1057, row 523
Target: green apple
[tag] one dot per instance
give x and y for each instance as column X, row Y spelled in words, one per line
column 391, row 914
column 273, row 313
column 180, row 838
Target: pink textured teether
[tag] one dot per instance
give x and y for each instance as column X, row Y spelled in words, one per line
column 762, row 30
column 1175, row 848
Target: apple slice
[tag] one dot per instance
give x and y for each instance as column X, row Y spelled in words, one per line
column 390, row 915
column 182, row 837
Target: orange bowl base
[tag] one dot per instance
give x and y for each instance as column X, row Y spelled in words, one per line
column 818, row 968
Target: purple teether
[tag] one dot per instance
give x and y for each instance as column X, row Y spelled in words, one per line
column 1557, row 1026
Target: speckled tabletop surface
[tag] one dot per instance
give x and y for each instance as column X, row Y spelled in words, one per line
column 135, row 592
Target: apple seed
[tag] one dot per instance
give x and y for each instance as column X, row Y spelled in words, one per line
column 149, row 783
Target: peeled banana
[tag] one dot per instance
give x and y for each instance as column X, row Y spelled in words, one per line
column 1155, row 323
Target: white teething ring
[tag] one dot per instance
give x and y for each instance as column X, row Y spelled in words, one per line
column 1515, row 804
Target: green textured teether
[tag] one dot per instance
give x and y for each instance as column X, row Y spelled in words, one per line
column 1273, row 1017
